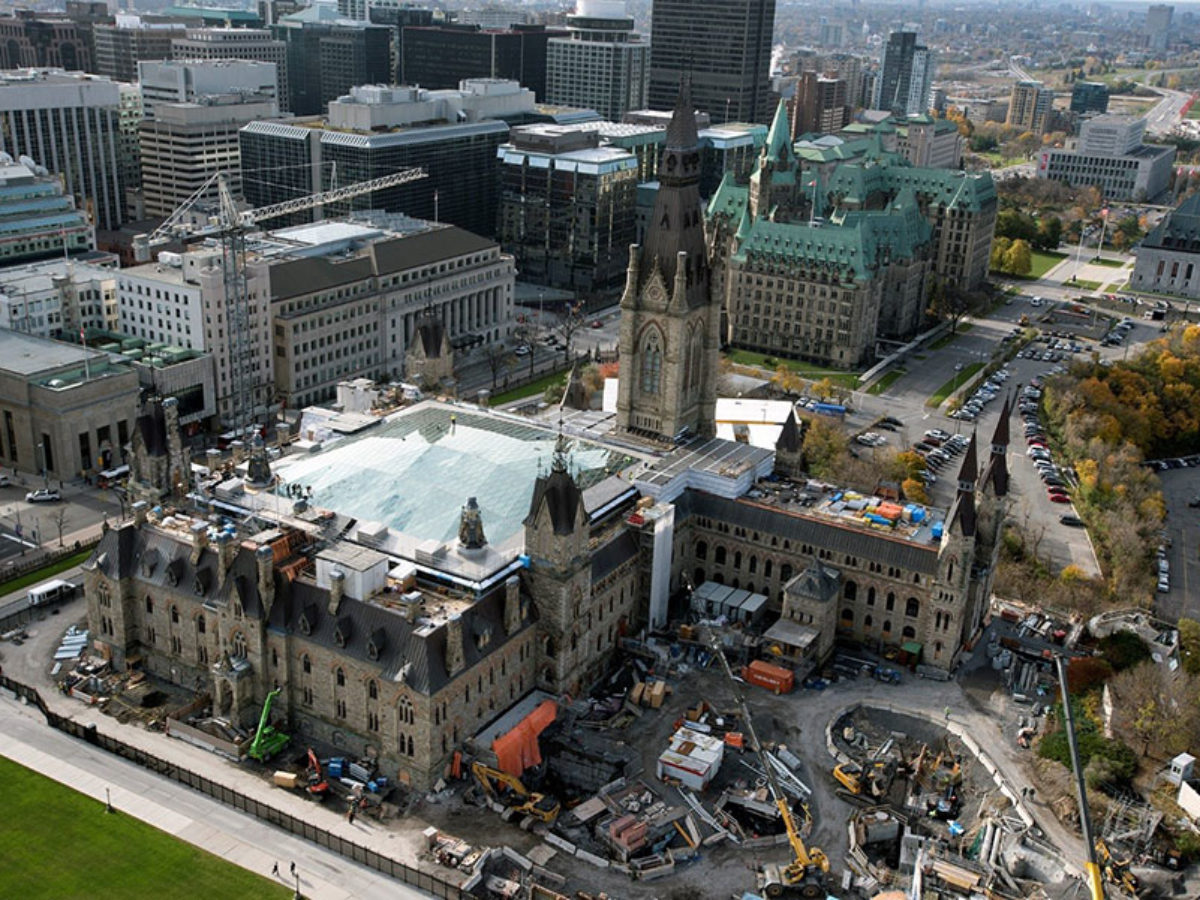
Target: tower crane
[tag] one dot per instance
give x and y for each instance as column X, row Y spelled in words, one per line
column 230, row 226
column 804, row 876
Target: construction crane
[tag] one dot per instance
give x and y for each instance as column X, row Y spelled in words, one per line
column 1092, row 866
column 230, row 226
column 804, row 876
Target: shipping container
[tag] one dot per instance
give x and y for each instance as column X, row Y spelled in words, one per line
column 773, row 678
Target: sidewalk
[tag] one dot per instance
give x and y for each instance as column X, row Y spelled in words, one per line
column 188, row 815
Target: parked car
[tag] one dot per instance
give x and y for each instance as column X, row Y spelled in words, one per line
column 1073, row 521
column 1059, row 498
column 43, row 495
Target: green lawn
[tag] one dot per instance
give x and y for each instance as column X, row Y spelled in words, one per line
column 1084, row 285
column 808, row 370
column 959, row 379
column 1107, row 263
column 1043, row 262
column 24, row 581
column 886, row 381
column 1114, row 287
column 533, row 388
column 57, row 844
column 945, row 339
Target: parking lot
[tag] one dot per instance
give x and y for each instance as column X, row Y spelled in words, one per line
column 1180, row 487
column 25, row 527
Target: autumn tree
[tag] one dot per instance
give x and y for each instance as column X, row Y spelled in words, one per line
column 826, row 447
column 1018, row 258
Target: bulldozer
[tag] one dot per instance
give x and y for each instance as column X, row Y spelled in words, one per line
column 512, row 793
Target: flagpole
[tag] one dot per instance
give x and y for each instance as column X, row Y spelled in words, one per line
column 1103, row 226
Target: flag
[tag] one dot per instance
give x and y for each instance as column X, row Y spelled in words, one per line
column 1104, row 213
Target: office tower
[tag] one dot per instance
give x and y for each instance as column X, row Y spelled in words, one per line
column 494, row 17
column 1158, row 26
column 820, row 105
column 188, row 81
column 45, row 40
column 849, row 68
column 377, row 130
column 906, row 75
column 325, row 60
column 1089, row 96
column 603, row 65
column 398, row 17
column 37, row 219
column 567, row 207
column 129, row 153
column 236, row 43
column 724, row 45
column 67, row 122
column 1111, row 156
column 832, row 34
column 440, row 57
column 132, row 39
column 1029, row 106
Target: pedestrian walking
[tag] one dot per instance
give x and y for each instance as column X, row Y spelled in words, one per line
column 293, row 865
column 275, row 869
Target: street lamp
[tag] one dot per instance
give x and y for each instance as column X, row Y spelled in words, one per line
column 297, row 895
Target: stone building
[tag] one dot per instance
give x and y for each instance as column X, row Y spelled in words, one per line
column 1168, row 258
column 429, row 361
column 157, row 462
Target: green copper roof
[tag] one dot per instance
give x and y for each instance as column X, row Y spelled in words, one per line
column 847, row 248
column 855, row 182
column 779, row 146
column 729, row 199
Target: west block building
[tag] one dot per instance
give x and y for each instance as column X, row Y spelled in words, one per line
column 424, row 621
column 1168, row 258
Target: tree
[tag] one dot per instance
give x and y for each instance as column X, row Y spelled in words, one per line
column 787, row 381
column 826, row 446
column 498, row 359
column 1189, row 645
column 1018, row 259
column 571, row 320
column 1000, row 246
column 60, row 522
column 1049, row 233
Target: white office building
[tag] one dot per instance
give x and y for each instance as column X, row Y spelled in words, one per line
column 190, row 81
column 603, row 65
column 54, row 298
column 1110, row 155
column 236, row 43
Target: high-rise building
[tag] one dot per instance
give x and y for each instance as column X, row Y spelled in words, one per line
column 185, row 144
column 832, row 34
column 68, row 122
column 906, row 75
column 236, row 43
column 820, row 105
column 1089, row 97
column 724, row 46
column 377, row 130
column 133, row 39
column 567, row 207
column 129, row 152
column 39, row 40
column 440, row 57
column 326, row 59
column 36, row 218
column 849, row 68
column 1029, row 106
column 189, row 81
column 603, row 65
column 399, row 16
column 494, row 16
column 1158, row 26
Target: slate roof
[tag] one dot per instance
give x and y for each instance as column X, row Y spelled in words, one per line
column 561, row 494
column 798, row 527
column 816, row 582
column 617, row 551
column 789, row 437
column 1179, row 229
column 856, row 181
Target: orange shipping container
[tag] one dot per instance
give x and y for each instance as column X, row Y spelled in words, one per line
column 773, row 678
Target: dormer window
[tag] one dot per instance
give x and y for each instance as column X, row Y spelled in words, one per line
column 376, row 643
column 308, row 619
column 341, row 632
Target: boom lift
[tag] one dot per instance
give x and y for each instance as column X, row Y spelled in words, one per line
column 267, row 740
column 509, row 790
column 804, row 876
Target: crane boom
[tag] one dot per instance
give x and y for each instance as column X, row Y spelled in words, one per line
column 230, row 218
column 809, row 866
column 1092, row 866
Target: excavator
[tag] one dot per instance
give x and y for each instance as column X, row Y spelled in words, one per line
column 267, row 740
column 863, row 785
column 317, row 786
column 508, row 789
column 805, row 875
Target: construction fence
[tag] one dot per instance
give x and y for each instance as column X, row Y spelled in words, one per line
column 425, row 881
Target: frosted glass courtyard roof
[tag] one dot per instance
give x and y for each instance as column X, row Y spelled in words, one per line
column 414, row 472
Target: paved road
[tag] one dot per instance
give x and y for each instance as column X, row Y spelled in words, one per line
column 1183, row 527
column 1166, row 114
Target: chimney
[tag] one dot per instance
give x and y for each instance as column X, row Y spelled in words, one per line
column 199, row 532
column 238, row 448
column 226, row 551
column 139, row 512
column 213, row 460
column 337, row 589
column 512, row 604
column 455, row 660
column 265, row 558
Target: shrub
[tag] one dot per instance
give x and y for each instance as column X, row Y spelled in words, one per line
column 1085, row 673
column 1123, row 650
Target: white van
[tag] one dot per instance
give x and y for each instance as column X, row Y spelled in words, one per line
column 57, row 591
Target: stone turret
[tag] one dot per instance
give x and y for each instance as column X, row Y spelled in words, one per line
column 470, row 527
column 512, row 604
column 265, row 557
column 337, row 590
column 199, row 531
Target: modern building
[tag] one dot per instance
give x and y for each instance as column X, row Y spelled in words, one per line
column 731, row 148
column 441, row 56
column 37, row 219
column 398, row 17
column 66, row 410
column 39, row 40
column 493, row 16
column 377, row 130
column 1029, row 106
column 185, row 144
column 723, row 47
column 820, row 105
column 832, row 33
column 347, row 300
column 1168, row 258
column 567, row 207
column 133, row 39
column 1089, row 97
column 326, row 59
column 849, row 68
column 129, row 152
column 604, row 65
column 1158, row 26
column 928, row 142
column 1110, row 155
column 905, row 76
column 237, row 43
column 192, row 81
column 69, row 123
column 57, row 298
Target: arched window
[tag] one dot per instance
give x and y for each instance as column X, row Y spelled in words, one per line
column 909, row 632
column 698, row 578
column 785, row 573
column 306, row 664
column 868, row 622
column 912, row 607
column 850, row 591
column 870, row 596
column 695, row 355
column 701, row 550
column 201, row 625
column 753, row 564
column 174, row 615
column 340, row 677
column 652, row 354
column 549, row 647
column 891, row 601
column 719, row 556
column 737, row 559
column 237, row 645
column 372, row 690
column 887, row 626
column 767, row 568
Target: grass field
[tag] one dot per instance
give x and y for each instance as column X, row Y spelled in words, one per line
column 1194, row 112
column 886, row 381
column 24, row 581
column 959, row 379
column 58, row 844
column 1084, row 285
column 808, row 370
column 1044, row 262
column 533, row 388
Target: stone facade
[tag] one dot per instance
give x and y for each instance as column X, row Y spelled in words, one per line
column 1168, row 258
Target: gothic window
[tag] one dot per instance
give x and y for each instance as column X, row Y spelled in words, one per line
column 909, row 632
column 870, row 596
column 785, row 573
column 912, row 607
column 737, row 559
column 698, row 577
column 201, row 625
column 174, row 615
column 850, row 591
column 891, row 601
column 767, row 566
column 149, row 604
column 847, row 616
column 720, row 556
column 753, row 564
column 695, row 355
column 372, row 690
column 651, row 356
column 701, row 553
column 887, row 626
column 237, row 645
column 340, row 709
column 868, row 622
column 340, row 676
column 306, row 664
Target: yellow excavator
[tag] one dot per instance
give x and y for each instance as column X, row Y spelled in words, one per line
column 805, row 875
column 862, row 785
column 510, row 791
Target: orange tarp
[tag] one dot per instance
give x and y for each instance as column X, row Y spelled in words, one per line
column 518, row 750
